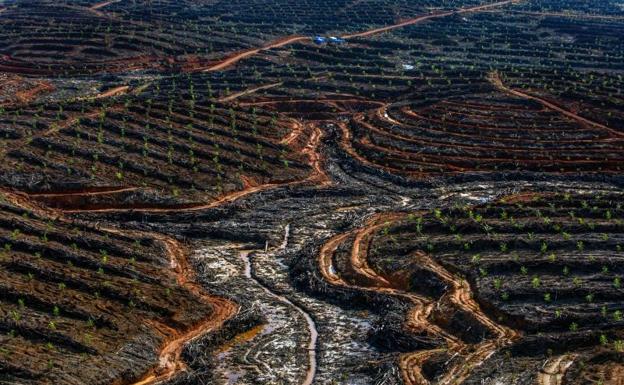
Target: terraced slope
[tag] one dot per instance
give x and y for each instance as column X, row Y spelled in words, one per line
column 475, row 127
column 86, row 304
column 538, row 275
column 199, row 192
column 117, row 36
column 188, row 154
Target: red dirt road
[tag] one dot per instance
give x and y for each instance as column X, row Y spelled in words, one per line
column 244, row 54
column 496, row 80
column 170, row 361
column 294, row 39
column 248, row 91
column 112, row 92
column 460, row 293
column 317, row 177
column 88, row 192
column 428, row 17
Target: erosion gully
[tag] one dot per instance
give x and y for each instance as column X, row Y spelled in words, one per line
column 170, row 361
column 417, row 321
column 249, row 274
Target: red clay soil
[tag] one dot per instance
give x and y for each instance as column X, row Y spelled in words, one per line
column 317, row 177
column 460, row 294
column 417, row 320
column 486, row 128
column 83, row 192
column 244, row 54
column 224, row 199
column 248, row 91
column 193, row 63
column 297, row 130
column 15, row 90
column 295, row 39
column 78, row 198
column 374, row 122
column 112, row 92
column 496, row 80
column 28, row 95
column 346, row 144
column 429, row 17
column 170, row 361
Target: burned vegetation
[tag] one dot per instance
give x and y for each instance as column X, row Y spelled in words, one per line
column 187, row 152
column 528, row 274
column 311, row 192
column 77, row 296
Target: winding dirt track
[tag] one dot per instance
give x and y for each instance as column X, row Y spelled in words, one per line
column 428, row 17
column 98, row 191
column 318, row 177
column 170, row 361
column 169, row 357
column 345, row 143
column 228, row 198
column 495, row 79
column 244, row 54
column 260, row 88
column 418, row 317
column 461, row 295
column 359, row 262
column 22, row 96
column 249, row 91
column 297, row 130
column 112, row 92
column 295, row 39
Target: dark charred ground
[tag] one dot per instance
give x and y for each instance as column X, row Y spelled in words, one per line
column 439, row 204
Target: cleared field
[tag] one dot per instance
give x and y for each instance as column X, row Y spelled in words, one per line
column 291, row 192
column 81, row 303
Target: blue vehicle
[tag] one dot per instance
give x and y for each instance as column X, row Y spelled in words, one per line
column 320, row 40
